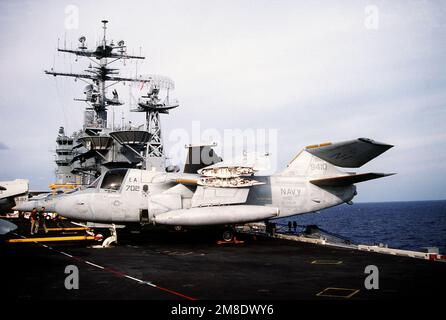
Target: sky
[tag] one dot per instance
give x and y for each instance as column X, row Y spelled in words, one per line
column 305, row 72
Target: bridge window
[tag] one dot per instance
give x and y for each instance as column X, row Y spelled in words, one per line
column 113, row 179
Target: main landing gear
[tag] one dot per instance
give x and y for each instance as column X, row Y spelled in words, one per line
column 228, row 236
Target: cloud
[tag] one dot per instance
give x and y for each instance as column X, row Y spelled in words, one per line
column 3, row 146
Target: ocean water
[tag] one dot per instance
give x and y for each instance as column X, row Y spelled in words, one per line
column 402, row 225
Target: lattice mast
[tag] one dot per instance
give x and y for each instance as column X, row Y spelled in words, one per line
column 152, row 105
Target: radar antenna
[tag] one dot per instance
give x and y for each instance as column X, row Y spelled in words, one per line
column 152, row 105
column 98, row 76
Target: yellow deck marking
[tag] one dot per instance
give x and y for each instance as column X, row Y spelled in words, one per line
column 51, row 239
column 68, row 229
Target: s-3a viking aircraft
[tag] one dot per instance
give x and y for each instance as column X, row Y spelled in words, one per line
column 222, row 192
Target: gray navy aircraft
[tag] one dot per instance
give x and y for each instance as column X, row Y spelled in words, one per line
column 223, row 193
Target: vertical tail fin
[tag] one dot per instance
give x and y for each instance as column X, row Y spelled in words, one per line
column 320, row 161
column 307, row 165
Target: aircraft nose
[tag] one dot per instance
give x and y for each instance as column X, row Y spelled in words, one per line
column 50, row 206
column 71, row 206
column 62, row 206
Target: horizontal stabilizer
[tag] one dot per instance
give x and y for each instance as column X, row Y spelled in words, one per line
column 348, row 180
column 349, row 154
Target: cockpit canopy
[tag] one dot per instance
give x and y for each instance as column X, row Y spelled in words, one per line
column 113, row 179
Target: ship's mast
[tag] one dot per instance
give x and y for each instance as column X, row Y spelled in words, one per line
column 97, row 147
column 152, row 105
column 104, row 22
column 98, row 76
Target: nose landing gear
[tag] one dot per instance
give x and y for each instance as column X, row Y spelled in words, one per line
column 113, row 237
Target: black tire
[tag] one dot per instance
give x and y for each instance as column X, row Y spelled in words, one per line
column 228, row 235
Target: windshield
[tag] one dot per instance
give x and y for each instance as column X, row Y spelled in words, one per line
column 94, row 184
column 113, row 179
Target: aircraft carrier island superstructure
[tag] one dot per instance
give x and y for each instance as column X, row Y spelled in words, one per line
column 100, row 144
